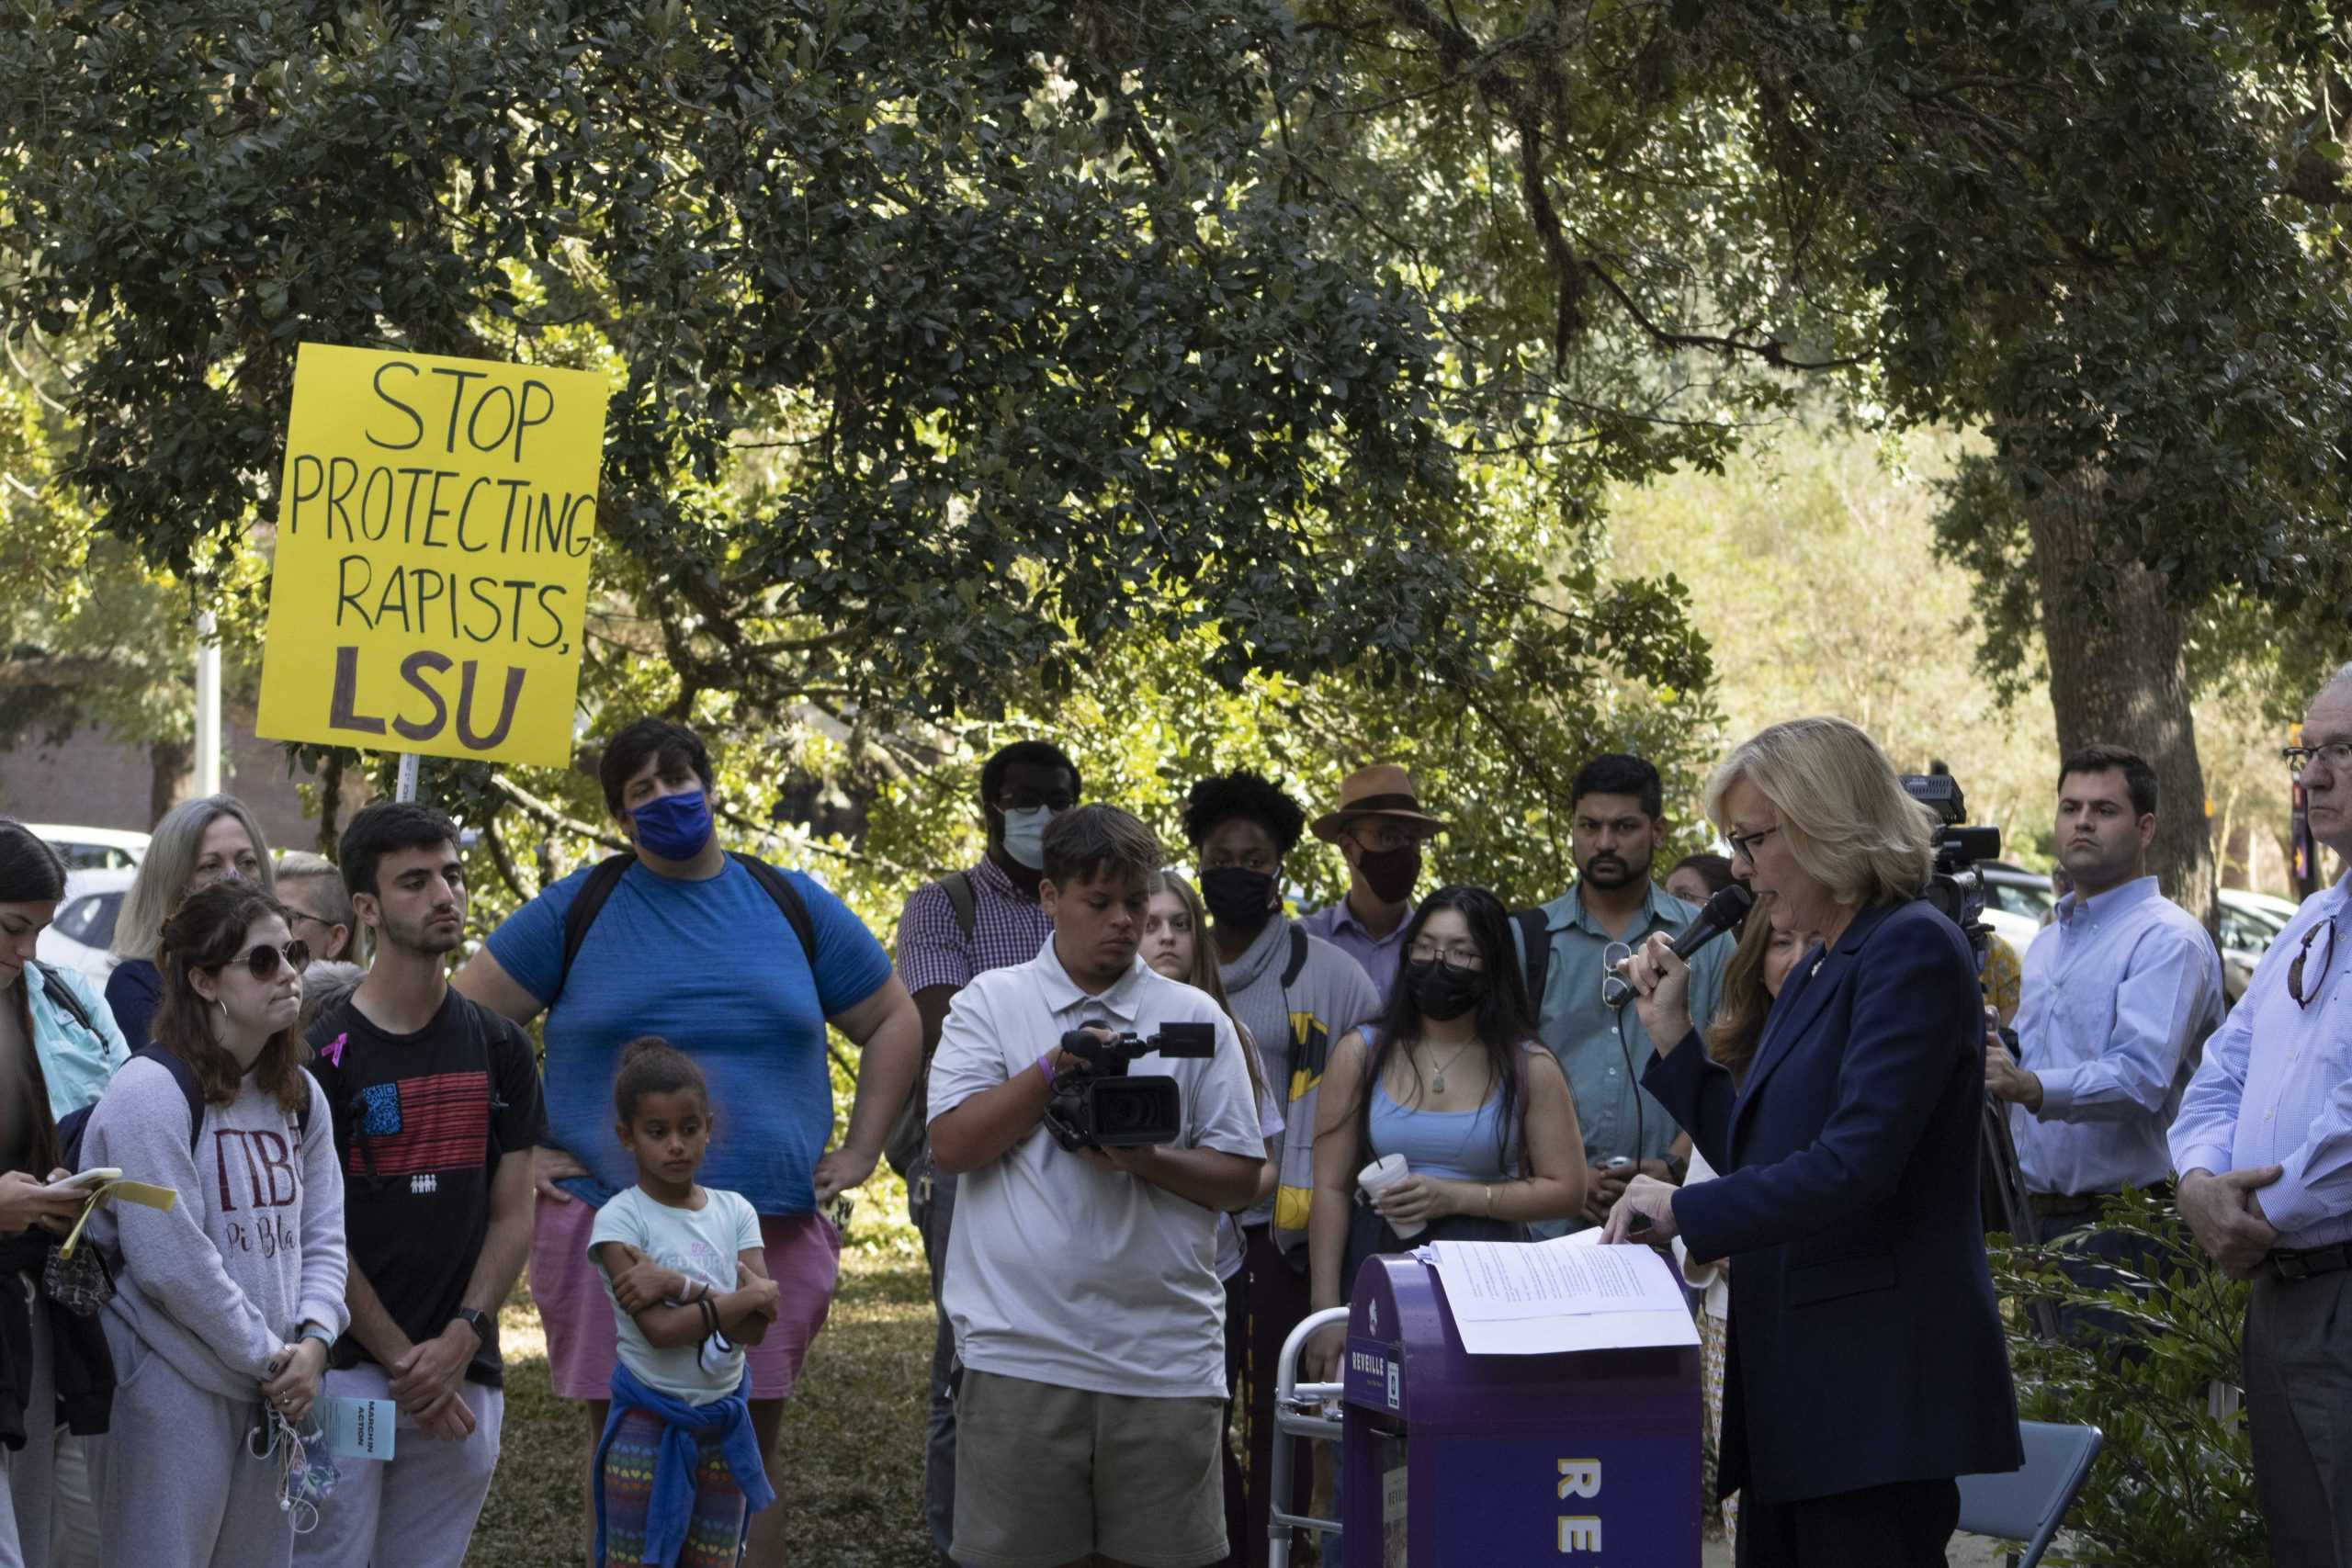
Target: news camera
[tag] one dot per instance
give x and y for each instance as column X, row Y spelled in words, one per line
column 1101, row 1105
column 1955, row 886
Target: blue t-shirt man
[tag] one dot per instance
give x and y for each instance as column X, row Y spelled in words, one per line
column 714, row 967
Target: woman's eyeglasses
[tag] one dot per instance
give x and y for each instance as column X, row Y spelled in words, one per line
column 1745, row 843
column 262, row 961
column 1461, row 954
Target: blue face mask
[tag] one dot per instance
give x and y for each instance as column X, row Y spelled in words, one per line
column 676, row 827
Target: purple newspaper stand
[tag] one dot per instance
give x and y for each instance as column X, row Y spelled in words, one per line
column 1453, row 1460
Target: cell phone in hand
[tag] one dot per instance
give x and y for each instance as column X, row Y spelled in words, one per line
column 1618, row 1165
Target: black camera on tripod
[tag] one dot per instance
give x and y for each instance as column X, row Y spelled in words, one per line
column 1102, row 1106
column 1954, row 884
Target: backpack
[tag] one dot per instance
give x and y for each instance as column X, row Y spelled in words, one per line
column 1535, row 954
column 69, row 1001
column 74, row 1125
column 607, row 876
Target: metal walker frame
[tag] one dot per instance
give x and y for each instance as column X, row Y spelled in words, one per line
column 1297, row 1413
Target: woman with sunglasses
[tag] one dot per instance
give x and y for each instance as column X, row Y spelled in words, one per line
column 212, row 839
column 225, row 1304
column 1454, row 1078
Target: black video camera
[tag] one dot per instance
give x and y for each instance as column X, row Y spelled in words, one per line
column 1101, row 1106
column 1954, row 884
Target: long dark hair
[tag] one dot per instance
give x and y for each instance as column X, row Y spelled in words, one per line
column 32, row 872
column 207, row 931
column 1504, row 1023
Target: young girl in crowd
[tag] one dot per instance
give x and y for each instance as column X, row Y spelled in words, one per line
column 56, row 1044
column 1454, row 1078
column 1751, row 980
column 226, row 1303
column 678, row 1468
column 1171, row 945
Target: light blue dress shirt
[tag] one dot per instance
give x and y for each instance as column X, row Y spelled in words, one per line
column 2118, row 992
column 2276, row 1083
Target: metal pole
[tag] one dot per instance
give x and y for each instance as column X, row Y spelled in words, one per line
column 207, row 704
column 406, row 788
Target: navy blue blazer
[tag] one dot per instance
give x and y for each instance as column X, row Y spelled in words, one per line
column 1865, row 1345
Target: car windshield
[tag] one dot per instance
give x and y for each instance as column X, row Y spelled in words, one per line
column 89, row 919
column 93, row 857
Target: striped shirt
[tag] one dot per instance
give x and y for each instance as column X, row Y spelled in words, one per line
column 2276, row 1083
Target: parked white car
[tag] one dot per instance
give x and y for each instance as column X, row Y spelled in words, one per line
column 2017, row 901
column 93, row 849
column 2250, row 922
column 81, row 935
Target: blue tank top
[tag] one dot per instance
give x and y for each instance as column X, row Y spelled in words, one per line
column 1455, row 1145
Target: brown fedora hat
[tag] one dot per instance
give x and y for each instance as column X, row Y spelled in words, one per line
column 1383, row 789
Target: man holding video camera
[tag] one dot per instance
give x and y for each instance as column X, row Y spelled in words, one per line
column 1081, row 1283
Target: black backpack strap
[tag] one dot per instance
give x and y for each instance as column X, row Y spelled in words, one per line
column 182, row 1074
column 607, row 876
column 963, row 899
column 585, row 910
column 1535, row 954
column 787, row 899
column 1297, row 963
column 53, row 985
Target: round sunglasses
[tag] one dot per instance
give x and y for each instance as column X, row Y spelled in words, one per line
column 262, row 961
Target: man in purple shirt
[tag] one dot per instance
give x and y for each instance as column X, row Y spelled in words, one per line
column 963, row 925
column 1379, row 826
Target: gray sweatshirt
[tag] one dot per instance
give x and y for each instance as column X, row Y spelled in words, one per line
column 253, row 1247
column 1295, row 1028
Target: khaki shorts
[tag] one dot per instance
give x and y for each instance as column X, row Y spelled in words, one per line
column 1044, row 1475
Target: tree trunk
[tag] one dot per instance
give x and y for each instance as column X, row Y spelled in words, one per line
column 2116, row 676
column 173, row 762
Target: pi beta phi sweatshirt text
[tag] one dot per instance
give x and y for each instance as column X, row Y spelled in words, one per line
column 254, row 1245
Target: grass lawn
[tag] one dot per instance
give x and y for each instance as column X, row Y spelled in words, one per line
column 853, row 1434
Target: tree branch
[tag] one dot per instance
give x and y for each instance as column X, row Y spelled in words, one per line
column 553, row 816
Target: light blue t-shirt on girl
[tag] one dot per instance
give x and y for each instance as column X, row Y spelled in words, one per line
column 715, row 968
column 702, row 1244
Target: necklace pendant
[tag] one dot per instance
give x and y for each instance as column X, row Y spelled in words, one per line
column 1437, row 1083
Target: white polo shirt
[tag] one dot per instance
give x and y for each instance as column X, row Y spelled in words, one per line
column 1061, row 1273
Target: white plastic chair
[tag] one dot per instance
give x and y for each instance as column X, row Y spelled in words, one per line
column 2030, row 1503
column 1297, row 1413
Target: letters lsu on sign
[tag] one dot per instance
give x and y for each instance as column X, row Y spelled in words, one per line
column 436, row 521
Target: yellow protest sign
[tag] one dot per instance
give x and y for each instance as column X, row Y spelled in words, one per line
column 434, row 528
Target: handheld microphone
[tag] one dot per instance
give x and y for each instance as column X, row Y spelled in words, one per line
column 1722, row 913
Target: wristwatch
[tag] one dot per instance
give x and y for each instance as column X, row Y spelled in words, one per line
column 481, row 1322
column 1677, row 1167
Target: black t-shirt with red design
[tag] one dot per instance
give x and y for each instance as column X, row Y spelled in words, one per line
column 421, row 1121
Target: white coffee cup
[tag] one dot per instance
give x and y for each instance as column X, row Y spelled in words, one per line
column 1380, row 1174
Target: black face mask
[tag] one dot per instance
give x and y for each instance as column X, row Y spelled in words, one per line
column 1443, row 992
column 1390, row 873
column 1238, row 896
